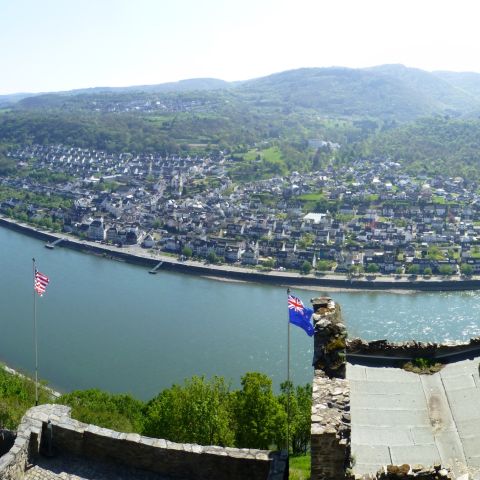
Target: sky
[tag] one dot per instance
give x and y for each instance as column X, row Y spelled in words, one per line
column 54, row 45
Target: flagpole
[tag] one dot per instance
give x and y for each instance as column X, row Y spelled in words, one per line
column 288, row 381
column 35, row 333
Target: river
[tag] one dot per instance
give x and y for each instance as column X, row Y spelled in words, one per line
column 110, row 325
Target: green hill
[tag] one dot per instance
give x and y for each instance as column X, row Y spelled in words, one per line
column 431, row 145
column 386, row 92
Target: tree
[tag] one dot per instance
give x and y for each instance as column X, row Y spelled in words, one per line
column 413, row 269
column 118, row 412
column 427, row 271
column 323, row 265
column 466, row 269
column 306, row 267
column 187, row 251
column 306, row 240
column 212, row 257
column 269, row 263
column 434, row 253
column 372, row 268
column 260, row 418
column 300, row 415
column 197, row 412
column 445, row 270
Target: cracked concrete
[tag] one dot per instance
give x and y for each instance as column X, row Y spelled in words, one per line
column 401, row 417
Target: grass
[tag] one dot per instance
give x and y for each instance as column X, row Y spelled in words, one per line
column 299, row 467
column 17, row 395
column 311, row 197
column 271, row 154
column 423, row 366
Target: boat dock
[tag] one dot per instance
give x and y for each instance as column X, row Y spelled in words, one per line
column 52, row 245
column 153, row 271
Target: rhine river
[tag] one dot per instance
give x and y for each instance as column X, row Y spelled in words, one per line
column 111, row 325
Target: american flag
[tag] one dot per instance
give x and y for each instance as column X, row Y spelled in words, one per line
column 41, row 282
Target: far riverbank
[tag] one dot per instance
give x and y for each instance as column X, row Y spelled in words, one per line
column 335, row 282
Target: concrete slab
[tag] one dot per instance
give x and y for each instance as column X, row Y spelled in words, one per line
column 468, row 428
column 381, row 388
column 422, row 454
column 459, row 382
column 371, row 455
column 421, row 435
column 391, row 402
column 394, row 418
column 388, row 374
column 402, row 417
column 381, row 436
column 356, row 372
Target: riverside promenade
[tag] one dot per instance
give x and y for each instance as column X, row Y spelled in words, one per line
column 328, row 281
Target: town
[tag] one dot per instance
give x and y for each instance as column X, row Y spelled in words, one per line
column 365, row 218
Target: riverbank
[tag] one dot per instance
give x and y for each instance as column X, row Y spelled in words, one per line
column 333, row 282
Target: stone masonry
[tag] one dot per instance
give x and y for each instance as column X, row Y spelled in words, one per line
column 330, row 431
column 129, row 450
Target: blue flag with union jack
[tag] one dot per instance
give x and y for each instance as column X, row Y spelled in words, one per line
column 300, row 315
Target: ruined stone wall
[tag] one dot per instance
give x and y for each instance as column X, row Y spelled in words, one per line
column 411, row 349
column 330, row 430
column 190, row 461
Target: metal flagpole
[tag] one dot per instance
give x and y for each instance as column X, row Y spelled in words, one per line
column 35, row 332
column 288, row 381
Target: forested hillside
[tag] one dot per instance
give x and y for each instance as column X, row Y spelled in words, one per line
column 427, row 121
column 431, row 145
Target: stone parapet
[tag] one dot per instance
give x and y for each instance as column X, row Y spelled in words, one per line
column 411, row 349
column 155, row 455
column 330, row 337
column 330, row 431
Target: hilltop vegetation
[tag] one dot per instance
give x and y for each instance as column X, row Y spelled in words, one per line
column 425, row 121
column 431, row 146
column 207, row 412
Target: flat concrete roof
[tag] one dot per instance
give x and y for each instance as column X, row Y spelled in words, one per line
column 402, row 417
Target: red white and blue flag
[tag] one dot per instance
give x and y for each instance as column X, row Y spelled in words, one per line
column 41, row 282
column 300, row 315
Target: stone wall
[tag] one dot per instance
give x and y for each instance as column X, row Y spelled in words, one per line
column 411, row 349
column 330, row 431
column 330, row 337
column 156, row 455
column 14, row 463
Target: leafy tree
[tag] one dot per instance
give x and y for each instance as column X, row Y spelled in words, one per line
column 306, row 240
column 413, row 269
column 197, row 412
column 427, row 271
column 306, row 267
column 323, row 265
column 466, row 269
column 269, row 263
column 118, row 412
column 372, row 268
column 212, row 257
column 434, row 253
column 300, row 418
column 187, row 251
column 260, row 418
column 445, row 270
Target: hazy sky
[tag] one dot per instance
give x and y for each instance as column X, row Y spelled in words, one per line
column 49, row 45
